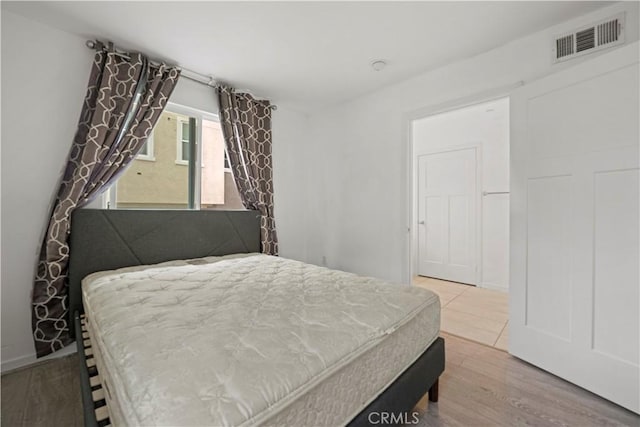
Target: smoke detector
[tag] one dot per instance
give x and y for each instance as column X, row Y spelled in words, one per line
column 378, row 64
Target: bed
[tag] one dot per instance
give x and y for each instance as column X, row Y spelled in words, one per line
column 181, row 322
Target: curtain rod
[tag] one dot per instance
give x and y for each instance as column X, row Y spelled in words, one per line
column 190, row 74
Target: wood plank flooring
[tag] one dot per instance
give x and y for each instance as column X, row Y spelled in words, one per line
column 481, row 386
column 46, row 394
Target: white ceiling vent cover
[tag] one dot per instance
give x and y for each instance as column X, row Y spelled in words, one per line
column 600, row 35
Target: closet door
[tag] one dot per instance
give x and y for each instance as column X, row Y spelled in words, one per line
column 575, row 225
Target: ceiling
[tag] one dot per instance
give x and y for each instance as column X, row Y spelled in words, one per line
column 306, row 55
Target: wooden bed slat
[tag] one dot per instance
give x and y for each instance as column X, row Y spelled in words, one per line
column 98, row 394
column 102, row 413
column 95, row 380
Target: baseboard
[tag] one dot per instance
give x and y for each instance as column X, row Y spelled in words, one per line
column 30, row 359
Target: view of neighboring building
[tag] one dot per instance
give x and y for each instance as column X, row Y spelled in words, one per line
column 158, row 177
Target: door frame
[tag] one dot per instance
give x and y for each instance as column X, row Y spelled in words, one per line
column 409, row 268
column 477, row 149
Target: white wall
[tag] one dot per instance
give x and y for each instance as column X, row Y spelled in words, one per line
column 485, row 126
column 42, row 92
column 290, row 194
column 360, row 217
column 195, row 95
column 44, row 77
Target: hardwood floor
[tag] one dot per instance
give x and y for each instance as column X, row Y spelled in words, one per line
column 481, row 386
column 46, row 394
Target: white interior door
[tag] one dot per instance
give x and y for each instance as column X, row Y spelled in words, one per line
column 447, row 193
column 574, row 300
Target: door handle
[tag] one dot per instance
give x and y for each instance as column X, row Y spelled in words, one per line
column 421, row 223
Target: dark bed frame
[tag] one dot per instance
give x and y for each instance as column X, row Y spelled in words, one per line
column 109, row 239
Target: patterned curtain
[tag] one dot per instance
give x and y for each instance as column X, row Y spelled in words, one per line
column 124, row 99
column 246, row 126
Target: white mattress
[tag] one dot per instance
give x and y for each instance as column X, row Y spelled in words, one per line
column 248, row 340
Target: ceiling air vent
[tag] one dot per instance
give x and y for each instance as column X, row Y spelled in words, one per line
column 601, row 35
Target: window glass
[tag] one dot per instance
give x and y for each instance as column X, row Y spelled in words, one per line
column 144, row 151
column 163, row 183
column 184, row 139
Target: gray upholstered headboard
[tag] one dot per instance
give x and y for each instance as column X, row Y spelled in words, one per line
column 109, row 239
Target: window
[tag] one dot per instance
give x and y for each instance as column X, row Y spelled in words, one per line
column 146, row 152
column 182, row 157
column 173, row 180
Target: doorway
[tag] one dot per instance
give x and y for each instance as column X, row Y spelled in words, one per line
column 461, row 206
